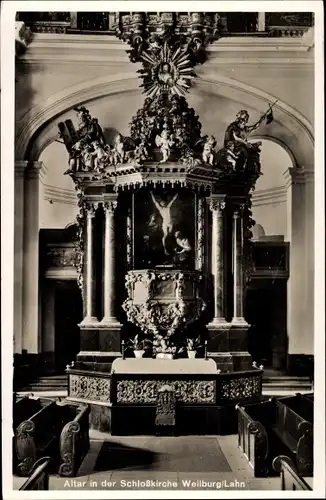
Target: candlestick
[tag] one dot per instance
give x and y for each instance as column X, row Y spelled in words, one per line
column 123, row 349
column 206, row 349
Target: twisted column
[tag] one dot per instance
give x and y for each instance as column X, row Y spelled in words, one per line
column 238, row 264
column 90, row 284
column 217, row 206
column 109, row 318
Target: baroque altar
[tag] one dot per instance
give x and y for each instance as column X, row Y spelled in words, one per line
column 163, row 244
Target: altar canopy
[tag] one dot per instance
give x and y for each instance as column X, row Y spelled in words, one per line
column 164, row 252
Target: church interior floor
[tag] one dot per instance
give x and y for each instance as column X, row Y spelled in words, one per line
column 112, row 459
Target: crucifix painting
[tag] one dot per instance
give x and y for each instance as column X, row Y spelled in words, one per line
column 164, row 229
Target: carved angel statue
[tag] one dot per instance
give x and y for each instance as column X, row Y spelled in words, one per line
column 208, row 150
column 88, row 160
column 164, row 142
column 140, row 153
column 227, row 157
column 100, row 155
column 118, row 150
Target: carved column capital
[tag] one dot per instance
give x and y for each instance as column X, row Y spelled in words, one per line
column 110, row 206
column 91, row 209
column 217, row 205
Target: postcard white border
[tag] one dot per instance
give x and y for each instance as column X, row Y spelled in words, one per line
column 8, row 9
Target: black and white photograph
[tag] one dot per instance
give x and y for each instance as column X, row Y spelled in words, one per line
column 162, row 249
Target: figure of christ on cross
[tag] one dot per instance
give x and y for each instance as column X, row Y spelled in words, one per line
column 164, row 210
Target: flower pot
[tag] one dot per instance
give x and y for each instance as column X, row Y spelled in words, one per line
column 191, row 354
column 139, row 353
column 164, row 355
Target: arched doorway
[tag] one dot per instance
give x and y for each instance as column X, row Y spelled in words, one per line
column 266, row 302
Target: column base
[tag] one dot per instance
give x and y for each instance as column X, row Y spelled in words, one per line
column 89, row 322
column 242, row 360
column 109, row 322
column 218, row 336
column 219, row 323
column 96, row 361
column 223, row 361
column 239, row 322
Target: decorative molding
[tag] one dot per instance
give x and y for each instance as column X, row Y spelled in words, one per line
column 240, row 388
column 57, row 273
column 34, row 170
column 146, row 391
column 269, row 196
column 20, row 167
column 60, row 195
column 91, row 388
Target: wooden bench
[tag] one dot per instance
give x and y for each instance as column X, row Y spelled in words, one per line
column 23, row 409
column 255, row 438
column 40, row 435
column 39, row 477
column 296, row 431
column 290, row 479
column 271, row 428
column 74, row 440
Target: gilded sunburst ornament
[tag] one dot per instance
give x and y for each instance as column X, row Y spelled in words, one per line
column 166, row 71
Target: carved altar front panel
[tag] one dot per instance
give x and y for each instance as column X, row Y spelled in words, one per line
column 90, row 388
column 145, row 391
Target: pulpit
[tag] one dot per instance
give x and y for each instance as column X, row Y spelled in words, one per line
column 163, row 250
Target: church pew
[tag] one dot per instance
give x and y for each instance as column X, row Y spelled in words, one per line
column 301, row 404
column 290, row 479
column 296, row 432
column 271, row 428
column 255, row 438
column 23, row 409
column 39, row 476
column 40, row 435
column 74, row 440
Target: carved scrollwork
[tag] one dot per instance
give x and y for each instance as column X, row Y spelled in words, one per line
column 165, row 406
column 146, row 391
column 241, row 388
column 61, row 257
column 200, row 242
column 217, row 205
column 92, row 388
column 91, row 209
column 25, row 447
column 110, row 206
column 261, row 446
column 304, row 451
column 67, row 448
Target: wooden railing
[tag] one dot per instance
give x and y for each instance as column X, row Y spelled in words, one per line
column 39, row 477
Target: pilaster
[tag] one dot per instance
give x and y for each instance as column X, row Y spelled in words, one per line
column 20, row 167
column 31, row 340
column 299, row 293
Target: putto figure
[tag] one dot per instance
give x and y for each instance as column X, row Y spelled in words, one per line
column 118, row 150
column 164, row 142
column 101, row 156
column 164, row 210
column 208, row 150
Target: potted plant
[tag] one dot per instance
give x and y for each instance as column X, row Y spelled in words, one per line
column 192, row 346
column 137, row 347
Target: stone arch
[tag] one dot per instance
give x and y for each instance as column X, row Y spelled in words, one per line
column 292, row 130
